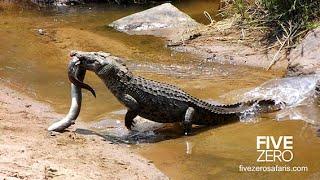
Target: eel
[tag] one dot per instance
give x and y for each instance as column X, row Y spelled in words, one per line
column 76, row 75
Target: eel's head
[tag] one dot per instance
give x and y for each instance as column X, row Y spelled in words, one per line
column 76, row 63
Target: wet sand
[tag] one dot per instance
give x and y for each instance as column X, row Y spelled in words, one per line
column 28, row 151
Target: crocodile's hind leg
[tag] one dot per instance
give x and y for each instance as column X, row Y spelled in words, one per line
column 187, row 123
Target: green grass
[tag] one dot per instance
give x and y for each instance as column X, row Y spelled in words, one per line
column 283, row 19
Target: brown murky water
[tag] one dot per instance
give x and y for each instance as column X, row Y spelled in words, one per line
column 36, row 65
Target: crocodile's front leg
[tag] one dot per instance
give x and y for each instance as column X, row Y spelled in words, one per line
column 129, row 119
column 187, row 123
column 133, row 109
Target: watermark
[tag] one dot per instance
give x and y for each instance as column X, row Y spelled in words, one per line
column 275, row 149
column 274, row 168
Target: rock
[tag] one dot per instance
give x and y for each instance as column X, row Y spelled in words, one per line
column 68, row 2
column 305, row 58
column 184, row 34
column 57, row 2
column 214, row 50
column 42, row 2
column 41, row 31
column 317, row 95
column 163, row 21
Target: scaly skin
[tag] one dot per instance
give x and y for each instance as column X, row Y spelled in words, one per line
column 157, row 101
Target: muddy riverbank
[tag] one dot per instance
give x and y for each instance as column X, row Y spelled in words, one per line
column 28, row 151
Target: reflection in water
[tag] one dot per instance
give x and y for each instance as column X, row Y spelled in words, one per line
column 188, row 147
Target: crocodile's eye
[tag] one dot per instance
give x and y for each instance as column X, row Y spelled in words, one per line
column 90, row 61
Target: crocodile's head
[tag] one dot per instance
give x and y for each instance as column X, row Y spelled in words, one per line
column 96, row 62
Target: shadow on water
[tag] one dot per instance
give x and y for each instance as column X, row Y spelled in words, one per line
column 144, row 132
column 166, row 132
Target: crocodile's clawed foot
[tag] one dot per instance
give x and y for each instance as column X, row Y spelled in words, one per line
column 187, row 131
column 130, row 124
column 187, row 128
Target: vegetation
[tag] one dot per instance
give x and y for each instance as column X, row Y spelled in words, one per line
column 278, row 16
column 283, row 21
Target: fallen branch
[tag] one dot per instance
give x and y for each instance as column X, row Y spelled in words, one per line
column 288, row 38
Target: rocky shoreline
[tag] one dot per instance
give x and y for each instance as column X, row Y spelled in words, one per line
column 219, row 43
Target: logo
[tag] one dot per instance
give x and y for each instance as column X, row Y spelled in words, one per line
column 272, row 149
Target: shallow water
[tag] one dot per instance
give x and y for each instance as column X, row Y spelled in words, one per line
column 36, row 65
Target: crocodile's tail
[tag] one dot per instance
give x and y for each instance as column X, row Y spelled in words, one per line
column 257, row 105
column 252, row 108
column 269, row 105
column 222, row 114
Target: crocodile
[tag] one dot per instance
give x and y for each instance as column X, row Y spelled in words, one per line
column 155, row 101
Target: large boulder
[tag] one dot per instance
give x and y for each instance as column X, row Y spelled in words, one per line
column 163, row 21
column 305, row 58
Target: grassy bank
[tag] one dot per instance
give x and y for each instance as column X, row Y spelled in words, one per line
column 279, row 18
column 282, row 22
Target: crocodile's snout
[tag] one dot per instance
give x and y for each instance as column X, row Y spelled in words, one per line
column 73, row 53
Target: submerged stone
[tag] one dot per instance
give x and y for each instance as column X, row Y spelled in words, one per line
column 163, row 21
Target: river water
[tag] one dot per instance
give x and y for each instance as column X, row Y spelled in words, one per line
column 35, row 64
